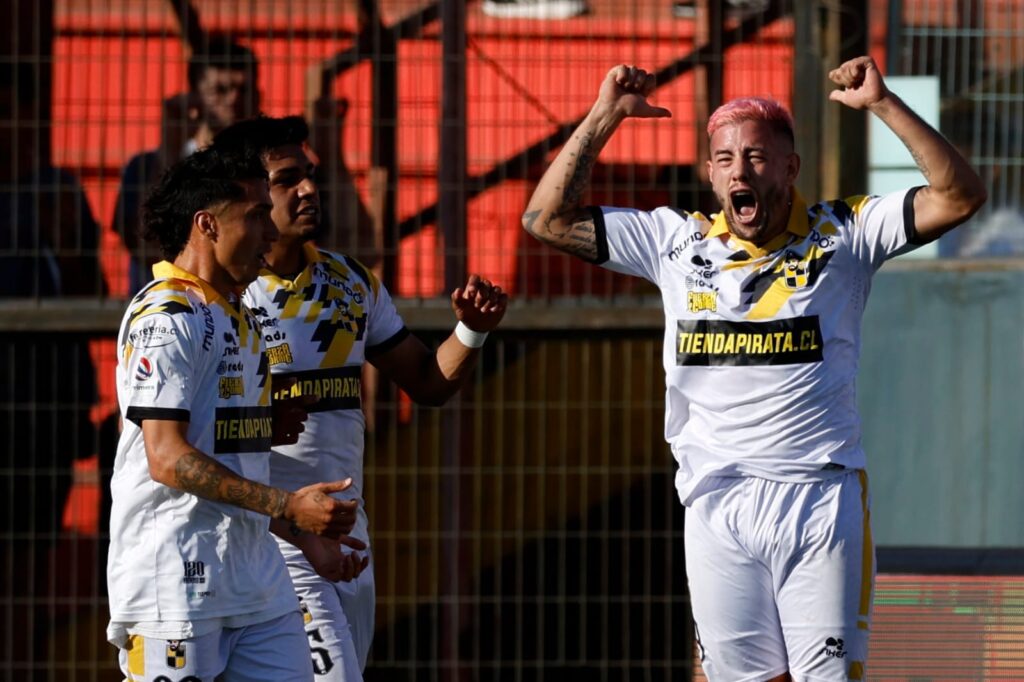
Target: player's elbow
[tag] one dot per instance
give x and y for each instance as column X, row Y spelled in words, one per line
column 161, row 469
column 965, row 202
column 970, row 194
column 530, row 221
column 163, row 474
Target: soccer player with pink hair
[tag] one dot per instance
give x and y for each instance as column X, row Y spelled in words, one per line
column 763, row 305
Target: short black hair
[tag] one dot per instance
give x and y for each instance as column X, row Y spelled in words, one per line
column 263, row 133
column 220, row 53
column 200, row 181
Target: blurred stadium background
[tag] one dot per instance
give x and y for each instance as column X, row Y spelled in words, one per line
column 529, row 530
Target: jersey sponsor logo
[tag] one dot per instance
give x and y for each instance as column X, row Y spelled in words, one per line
column 229, row 386
column 194, row 572
column 722, row 342
column 153, row 331
column 223, row 367
column 208, row 326
column 338, row 388
column 279, row 355
column 833, row 648
column 144, row 371
column 699, row 301
column 704, row 272
column 278, row 335
column 175, row 654
column 242, row 429
column 678, row 249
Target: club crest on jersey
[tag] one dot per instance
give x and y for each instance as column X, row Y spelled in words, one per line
column 145, row 369
column 175, row 654
column 307, row 617
column 794, row 271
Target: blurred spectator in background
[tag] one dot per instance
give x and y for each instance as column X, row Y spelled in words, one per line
column 48, row 248
column 221, row 90
column 48, row 237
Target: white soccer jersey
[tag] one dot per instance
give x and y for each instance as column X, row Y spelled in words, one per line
column 186, row 354
column 318, row 329
column 761, row 344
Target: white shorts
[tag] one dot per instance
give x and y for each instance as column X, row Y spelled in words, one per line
column 272, row 651
column 339, row 620
column 781, row 578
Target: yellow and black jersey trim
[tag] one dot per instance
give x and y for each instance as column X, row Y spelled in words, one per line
column 600, row 235
column 854, row 205
column 164, row 296
column 136, row 415
column 909, row 218
column 388, row 344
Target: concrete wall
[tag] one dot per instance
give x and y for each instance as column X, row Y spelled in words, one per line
column 941, row 383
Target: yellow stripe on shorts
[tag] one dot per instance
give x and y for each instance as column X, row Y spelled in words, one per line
column 136, row 648
column 867, row 564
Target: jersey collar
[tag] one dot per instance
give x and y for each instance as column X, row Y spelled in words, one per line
column 798, row 225
column 313, row 256
column 167, row 270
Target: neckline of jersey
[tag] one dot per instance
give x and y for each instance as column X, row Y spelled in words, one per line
column 798, row 224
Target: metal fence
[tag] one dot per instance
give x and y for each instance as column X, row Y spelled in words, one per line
column 530, row 529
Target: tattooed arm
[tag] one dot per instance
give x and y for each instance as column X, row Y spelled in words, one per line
column 176, row 464
column 555, row 214
column 954, row 190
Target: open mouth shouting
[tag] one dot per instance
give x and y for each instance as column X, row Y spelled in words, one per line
column 745, row 207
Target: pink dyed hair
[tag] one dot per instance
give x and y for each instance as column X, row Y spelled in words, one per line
column 752, row 109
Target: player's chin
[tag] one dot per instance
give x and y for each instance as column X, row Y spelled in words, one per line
column 248, row 273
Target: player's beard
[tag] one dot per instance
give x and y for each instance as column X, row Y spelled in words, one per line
column 770, row 204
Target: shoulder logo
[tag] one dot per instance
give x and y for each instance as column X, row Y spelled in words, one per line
column 153, row 331
column 145, row 369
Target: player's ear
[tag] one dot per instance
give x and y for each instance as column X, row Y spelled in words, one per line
column 793, row 168
column 206, row 223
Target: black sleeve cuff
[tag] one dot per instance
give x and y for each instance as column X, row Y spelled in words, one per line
column 600, row 235
column 909, row 226
column 137, row 414
column 385, row 346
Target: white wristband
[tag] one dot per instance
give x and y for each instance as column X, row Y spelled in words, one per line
column 468, row 337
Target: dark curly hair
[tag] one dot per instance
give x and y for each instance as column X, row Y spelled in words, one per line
column 202, row 180
column 263, row 133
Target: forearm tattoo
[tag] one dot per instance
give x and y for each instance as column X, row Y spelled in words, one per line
column 576, row 183
column 918, row 159
column 198, row 474
column 570, row 228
